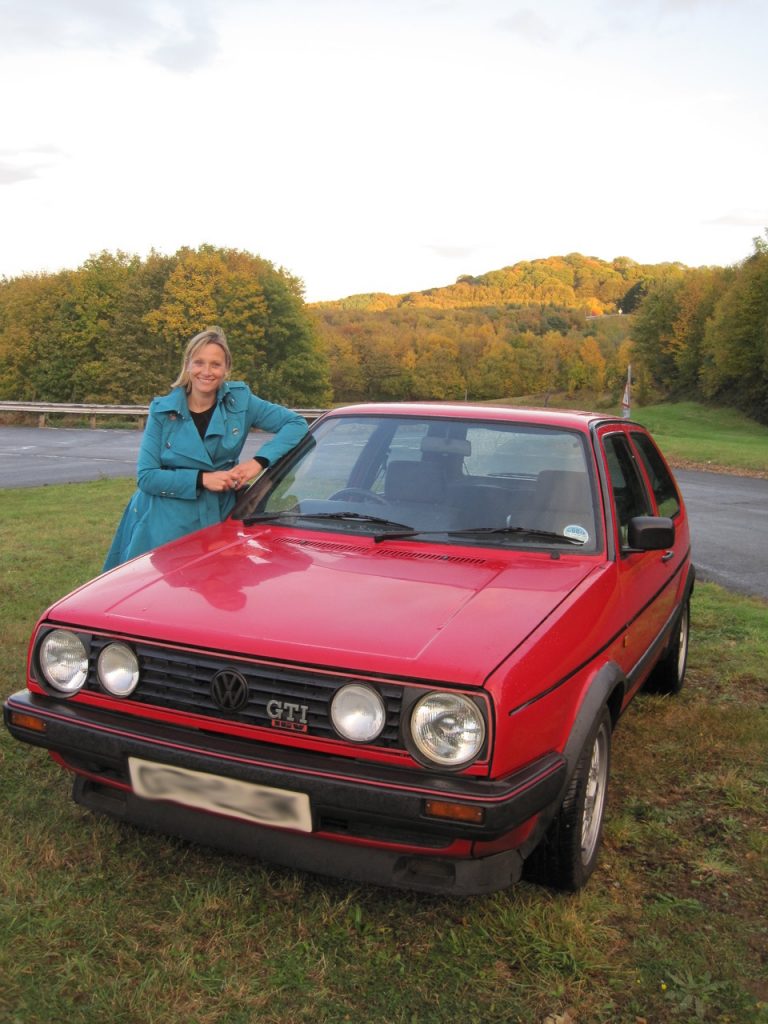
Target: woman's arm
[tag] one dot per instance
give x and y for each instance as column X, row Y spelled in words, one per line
column 287, row 426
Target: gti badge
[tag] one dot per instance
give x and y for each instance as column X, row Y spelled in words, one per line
column 286, row 715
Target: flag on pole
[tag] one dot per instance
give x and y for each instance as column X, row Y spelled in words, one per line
column 626, row 401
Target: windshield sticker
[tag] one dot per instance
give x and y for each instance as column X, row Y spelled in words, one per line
column 576, row 533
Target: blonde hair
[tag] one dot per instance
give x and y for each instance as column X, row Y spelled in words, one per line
column 210, row 336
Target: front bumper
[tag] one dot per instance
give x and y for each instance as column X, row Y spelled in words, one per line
column 361, row 813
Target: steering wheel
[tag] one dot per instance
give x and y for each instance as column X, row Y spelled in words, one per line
column 357, row 494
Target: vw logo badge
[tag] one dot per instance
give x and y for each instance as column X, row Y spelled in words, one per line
column 229, row 690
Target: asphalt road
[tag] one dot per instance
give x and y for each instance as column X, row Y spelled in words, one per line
column 34, row 457
column 729, row 529
column 729, row 514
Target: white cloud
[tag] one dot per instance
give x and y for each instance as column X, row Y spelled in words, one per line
column 371, row 146
column 18, row 165
column 178, row 34
column 742, row 218
column 528, row 24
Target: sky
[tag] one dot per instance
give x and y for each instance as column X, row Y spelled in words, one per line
column 383, row 145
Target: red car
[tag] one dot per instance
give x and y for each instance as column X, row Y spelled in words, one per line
column 401, row 660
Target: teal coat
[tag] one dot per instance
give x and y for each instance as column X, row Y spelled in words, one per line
column 167, row 503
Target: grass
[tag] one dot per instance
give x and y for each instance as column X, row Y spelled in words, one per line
column 99, row 922
column 691, row 435
column 707, row 437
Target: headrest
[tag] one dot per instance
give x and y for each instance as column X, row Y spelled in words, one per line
column 446, row 445
column 561, row 488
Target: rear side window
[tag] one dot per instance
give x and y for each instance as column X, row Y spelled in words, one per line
column 662, row 484
column 629, row 495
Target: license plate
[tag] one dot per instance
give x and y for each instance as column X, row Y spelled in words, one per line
column 262, row 805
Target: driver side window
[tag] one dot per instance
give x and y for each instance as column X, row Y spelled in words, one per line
column 629, row 495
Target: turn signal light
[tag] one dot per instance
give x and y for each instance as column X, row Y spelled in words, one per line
column 27, row 721
column 455, row 812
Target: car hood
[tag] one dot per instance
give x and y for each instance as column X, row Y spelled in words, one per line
column 415, row 610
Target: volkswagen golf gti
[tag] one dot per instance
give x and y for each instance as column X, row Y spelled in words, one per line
column 401, row 660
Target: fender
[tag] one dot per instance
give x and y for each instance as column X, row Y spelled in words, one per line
column 607, row 689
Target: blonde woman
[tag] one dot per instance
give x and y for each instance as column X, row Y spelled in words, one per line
column 188, row 469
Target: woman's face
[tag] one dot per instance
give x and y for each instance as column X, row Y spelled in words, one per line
column 207, row 369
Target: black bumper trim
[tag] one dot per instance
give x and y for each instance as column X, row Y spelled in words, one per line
column 313, row 854
column 378, row 802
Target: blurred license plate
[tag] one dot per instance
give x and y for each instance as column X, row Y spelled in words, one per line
column 262, row 805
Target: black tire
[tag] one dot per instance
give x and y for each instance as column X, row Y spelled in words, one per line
column 568, row 853
column 669, row 674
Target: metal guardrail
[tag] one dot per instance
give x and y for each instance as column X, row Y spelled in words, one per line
column 46, row 409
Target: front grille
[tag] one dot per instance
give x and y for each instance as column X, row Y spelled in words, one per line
column 181, row 681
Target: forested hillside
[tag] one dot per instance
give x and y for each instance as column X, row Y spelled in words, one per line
column 575, row 282
column 114, row 329
column 704, row 333
column 564, row 324
column 555, row 324
column 478, row 354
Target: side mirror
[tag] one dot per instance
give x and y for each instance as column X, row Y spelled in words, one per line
column 651, row 533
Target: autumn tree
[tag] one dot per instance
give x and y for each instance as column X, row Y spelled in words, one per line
column 114, row 329
column 735, row 344
column 39, row 357
column 436, row 373
column 260, row 309
column 654, row 330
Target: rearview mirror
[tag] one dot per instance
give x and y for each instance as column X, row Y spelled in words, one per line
column 651, row 533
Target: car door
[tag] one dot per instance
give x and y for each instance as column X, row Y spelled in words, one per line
column 647, row 580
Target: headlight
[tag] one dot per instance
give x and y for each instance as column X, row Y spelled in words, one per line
column 118, row 670
column 64, row 661
column 448, row 728
column 358, row 713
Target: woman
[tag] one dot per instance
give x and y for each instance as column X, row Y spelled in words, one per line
column 187, row 467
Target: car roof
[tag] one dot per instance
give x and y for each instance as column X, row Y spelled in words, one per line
column 567, row 418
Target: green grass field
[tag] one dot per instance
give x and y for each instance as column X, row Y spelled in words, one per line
column 707, row 437
column 690, row 434
column 101, row 923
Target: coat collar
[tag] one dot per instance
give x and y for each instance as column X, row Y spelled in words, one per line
column 188, row 441
column 176, row 402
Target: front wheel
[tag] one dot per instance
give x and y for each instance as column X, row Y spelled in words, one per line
column 567, row 855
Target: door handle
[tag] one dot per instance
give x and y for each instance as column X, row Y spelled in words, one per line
column 667, row 555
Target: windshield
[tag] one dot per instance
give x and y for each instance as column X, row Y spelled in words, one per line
column 486, row 482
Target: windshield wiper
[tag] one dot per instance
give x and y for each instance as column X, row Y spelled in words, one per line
column 528, row 531
column 401, row 531
column 267, row 517
column 483, row 531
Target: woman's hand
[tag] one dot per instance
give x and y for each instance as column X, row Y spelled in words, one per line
column 220, row 480
column 247, row 471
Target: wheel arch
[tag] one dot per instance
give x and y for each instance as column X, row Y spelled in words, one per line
column 607, row 689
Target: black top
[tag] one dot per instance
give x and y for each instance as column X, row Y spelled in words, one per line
column 202, row 419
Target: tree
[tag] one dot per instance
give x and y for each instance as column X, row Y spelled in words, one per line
column 653, row 330
column 593, row 363
column 39, row 357
column 735, row 343
column 260, row 309
column 114, row 329
column 436, row 373
column 697, row 295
